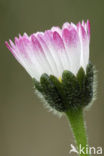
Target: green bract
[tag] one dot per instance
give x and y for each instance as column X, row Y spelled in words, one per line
column 73, row 92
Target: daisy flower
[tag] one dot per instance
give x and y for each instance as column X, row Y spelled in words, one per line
column 58, row 62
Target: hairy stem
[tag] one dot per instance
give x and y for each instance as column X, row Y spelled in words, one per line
column 78, row 127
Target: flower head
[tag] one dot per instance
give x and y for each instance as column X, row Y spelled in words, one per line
column 58, row 60
column 53, row 51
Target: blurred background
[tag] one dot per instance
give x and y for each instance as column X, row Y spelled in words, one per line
column 26, row 128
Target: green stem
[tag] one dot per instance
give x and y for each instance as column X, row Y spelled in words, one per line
column 78, row 127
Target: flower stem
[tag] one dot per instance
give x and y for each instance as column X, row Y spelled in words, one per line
column 78, row 127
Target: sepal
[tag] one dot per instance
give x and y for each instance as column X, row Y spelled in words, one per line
column 51, row 92
column 72, row 90
column 71, row 93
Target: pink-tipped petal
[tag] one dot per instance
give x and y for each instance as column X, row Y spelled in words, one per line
column 70, row 37
column 57, row 29
column 66, row 25
column 60, row 48
column 12, row 44
column 83, row 23
column 58, row 40
column 73, row 48
column 83, row 32
column 88, row 27
column 84, row 38
column 10, row 48
column 36, row 45
column 48, row 54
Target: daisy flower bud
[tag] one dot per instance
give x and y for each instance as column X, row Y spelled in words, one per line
column 58, row 62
